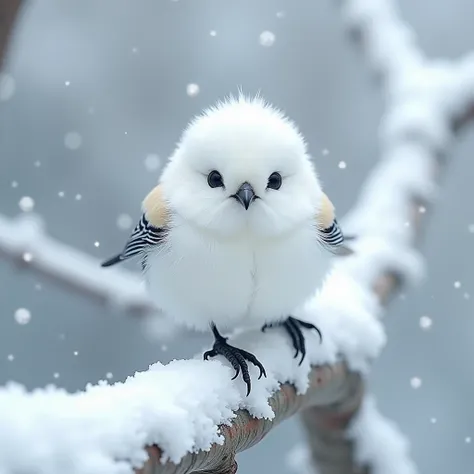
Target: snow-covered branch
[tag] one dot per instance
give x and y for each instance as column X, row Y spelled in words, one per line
column 188, row 415
column 427, row 102
column 24, row 241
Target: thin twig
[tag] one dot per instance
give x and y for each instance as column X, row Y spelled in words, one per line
column 9, row 12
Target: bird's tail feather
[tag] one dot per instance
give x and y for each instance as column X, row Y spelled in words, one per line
column 112, row 261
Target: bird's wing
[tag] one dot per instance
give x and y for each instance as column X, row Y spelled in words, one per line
column 144, row 237
column 148, row 233
column 330, row 233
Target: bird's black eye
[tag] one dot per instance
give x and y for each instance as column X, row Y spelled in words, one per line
column 214, row 179
column 274, row 181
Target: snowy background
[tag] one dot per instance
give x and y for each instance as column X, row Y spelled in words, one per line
column 102, row 89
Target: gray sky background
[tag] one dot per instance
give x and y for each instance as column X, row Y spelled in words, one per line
column 127, row 66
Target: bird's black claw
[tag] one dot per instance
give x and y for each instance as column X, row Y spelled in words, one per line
column 293, row 328
column 237, row 372
column 211, row 353
column 310, row 326
column 237, row 357
column 251, row 358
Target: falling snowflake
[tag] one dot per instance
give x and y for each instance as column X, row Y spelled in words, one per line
column 164, row 347
column 124, row 222
column 27, row 257
column 26, row 203
column 67, row 83
column 76, row 353
column 467, row 439
column 96, row 244
column 281, row 14
column 10, row 357
column 433, row 420
column 325, row 152
column 7, row 87
column 72, row 140
column 109, row 375
column 61, row 194
column 415, row 382
column 152, row 162
column 267, row 38
column 213, row 32
column 426, row 322
column 56, row 375
column 22, row 316
column 342, row 165
column 134, row 50
column 37, row 163
column 192, row 90
column 422, row 209
column 470, row 228
column 78, row 197
column 466, row 296
column 14, row 184
column 457, row 284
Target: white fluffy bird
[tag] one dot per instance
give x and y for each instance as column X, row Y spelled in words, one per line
column 238, row 231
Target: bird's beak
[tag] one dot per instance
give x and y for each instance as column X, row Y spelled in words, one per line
column 245, row 195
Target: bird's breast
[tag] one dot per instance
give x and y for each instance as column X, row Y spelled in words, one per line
column 196, row 279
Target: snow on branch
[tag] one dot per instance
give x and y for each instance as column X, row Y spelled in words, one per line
column 189, row 415
column 24, row 241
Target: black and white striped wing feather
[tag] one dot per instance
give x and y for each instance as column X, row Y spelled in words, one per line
column 332, row 238
column 143, row 239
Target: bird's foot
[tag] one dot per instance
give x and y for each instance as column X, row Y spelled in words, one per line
column 293, row 328
column 237, row 357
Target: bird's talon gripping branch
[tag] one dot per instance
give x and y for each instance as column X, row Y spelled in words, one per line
column 293, row 328
column 237, row 357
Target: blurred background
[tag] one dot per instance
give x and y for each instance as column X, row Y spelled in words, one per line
column 93, row 98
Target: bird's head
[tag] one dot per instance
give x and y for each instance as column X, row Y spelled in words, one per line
column 242, row 166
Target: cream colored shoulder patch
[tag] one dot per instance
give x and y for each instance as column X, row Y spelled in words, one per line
column 326, row 214
column 156, row 208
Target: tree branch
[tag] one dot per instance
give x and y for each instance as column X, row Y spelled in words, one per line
column 24, row 242
column 327, row 383
column 395, row 59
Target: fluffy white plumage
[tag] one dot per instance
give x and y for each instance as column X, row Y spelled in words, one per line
column 219, row 261
column 223, row 263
